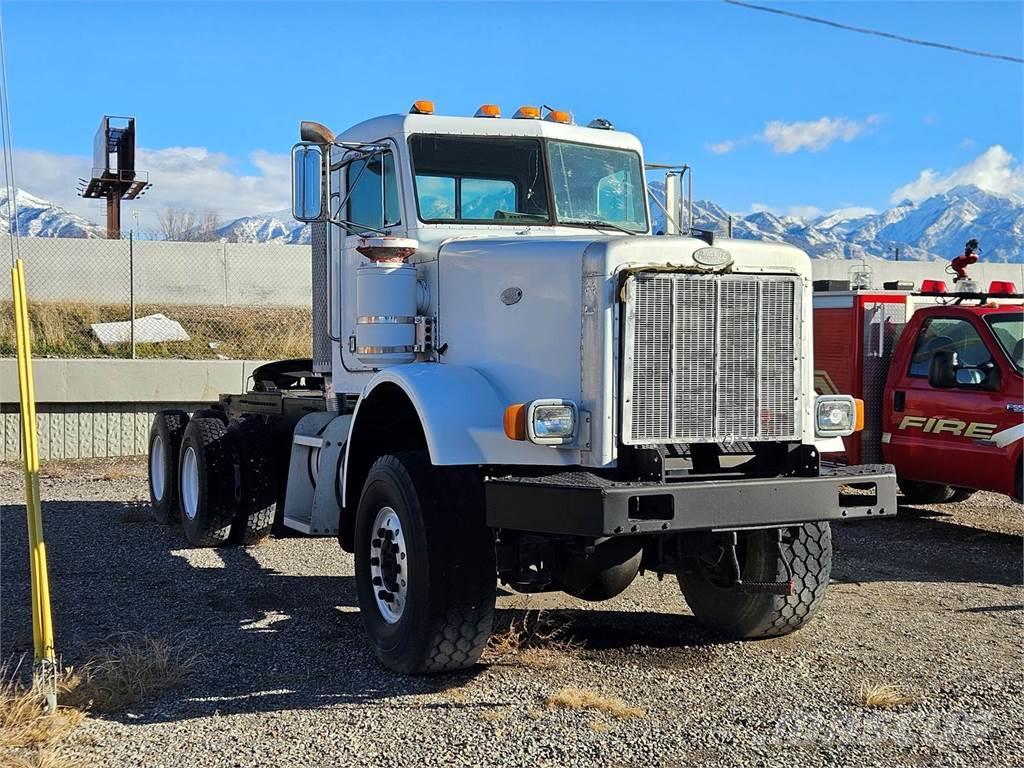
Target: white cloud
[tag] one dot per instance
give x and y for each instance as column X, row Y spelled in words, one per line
column 853, row 211
column 813, row 135
column 722, row 147
column 190, row 178
column 804, row 211
column 967, row 143
column 995, row 169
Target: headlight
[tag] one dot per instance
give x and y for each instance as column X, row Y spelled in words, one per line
column 551, row 422
column 838, row 415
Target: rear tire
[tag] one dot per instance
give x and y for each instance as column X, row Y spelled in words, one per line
column 206, row 482
column 744, row 615
column 420, row 534
column 164, row 446
column 258, row 477
column 925, row 493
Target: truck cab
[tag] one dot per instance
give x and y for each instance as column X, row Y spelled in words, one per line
column 953, row 410
column 513, row 379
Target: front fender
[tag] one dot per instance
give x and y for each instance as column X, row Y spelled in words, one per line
column 461, row 414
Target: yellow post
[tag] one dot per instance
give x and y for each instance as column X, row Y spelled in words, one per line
column 42, row 624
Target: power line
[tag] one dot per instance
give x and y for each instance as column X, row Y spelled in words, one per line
column 862, row 30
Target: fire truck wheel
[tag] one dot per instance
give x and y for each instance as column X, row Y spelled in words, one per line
column 962, row 494
column 206, row 472
column 915, row 492
column 424, row 562
column 258, row 477
column 164, row 445
column 706, row 582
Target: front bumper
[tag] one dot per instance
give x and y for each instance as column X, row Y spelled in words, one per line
column 583, row 504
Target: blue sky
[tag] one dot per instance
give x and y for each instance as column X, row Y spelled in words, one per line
column 772, row 112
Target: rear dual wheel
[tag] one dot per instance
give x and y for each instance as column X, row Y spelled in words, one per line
column 216, row 478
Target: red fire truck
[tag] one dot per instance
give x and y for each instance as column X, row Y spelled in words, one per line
column 941, row 378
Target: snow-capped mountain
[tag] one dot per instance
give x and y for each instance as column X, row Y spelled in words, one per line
column 936, row 228
column 276, row 227
column 41, row 218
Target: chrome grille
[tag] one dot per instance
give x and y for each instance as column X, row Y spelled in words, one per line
column 711, row 358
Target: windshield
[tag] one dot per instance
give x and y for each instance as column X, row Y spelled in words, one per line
column 479, row 179
column 597, row 184
column 1009, row 329
column 504, row 180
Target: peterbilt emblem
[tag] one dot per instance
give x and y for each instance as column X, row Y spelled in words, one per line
column 511, row 296
column 712, row 257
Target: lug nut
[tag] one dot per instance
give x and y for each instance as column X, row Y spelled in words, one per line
column 377, row 582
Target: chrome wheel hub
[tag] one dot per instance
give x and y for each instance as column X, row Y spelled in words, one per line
column 190, row 483
column 156, row 468
column 389, row 565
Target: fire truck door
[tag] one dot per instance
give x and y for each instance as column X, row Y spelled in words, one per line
column 942, row 435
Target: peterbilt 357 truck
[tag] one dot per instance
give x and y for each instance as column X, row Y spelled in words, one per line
column 513, row 379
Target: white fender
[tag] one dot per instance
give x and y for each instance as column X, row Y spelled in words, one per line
column 461, row 414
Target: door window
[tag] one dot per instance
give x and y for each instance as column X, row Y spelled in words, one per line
column 949, row 334
column 373, row 201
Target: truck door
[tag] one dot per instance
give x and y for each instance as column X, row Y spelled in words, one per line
column 371, row 185
column 940, row 435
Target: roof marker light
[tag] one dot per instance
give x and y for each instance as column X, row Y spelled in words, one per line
column 559, row 116
column 488, row 110
column 933, row 286
column 1001, row 287
column 422, row 107
column 601, row 124
column 526, row 112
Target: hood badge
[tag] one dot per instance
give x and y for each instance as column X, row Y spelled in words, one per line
column 511, row 296
column 712, row 257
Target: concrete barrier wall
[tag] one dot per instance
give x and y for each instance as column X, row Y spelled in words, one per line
column 94, row 408
column 883, row 270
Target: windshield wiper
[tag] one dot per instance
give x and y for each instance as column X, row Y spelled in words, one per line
column 597, row 224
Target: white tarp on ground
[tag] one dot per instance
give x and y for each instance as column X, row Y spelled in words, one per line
column 148, row 330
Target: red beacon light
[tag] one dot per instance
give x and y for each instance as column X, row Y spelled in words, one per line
column 933, row 286
column 1001, row 288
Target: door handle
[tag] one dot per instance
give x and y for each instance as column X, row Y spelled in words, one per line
column 899, row 400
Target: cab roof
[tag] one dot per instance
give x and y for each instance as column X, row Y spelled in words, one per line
column 404, row 125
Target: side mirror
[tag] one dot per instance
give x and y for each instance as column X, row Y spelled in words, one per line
column 307, row 182
column 985, row 376
column 941, row 373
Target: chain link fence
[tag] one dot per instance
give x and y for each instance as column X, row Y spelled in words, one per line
column 188, row 300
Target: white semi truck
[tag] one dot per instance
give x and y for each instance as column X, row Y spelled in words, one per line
column 513, row 379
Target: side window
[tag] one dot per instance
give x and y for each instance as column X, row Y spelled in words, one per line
column 373, row 201
column 951, row 335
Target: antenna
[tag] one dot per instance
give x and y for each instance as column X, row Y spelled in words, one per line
column 114, row 177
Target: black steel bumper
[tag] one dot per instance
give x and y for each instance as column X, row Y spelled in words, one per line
column 583, row 504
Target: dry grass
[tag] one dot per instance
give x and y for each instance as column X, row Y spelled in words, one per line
column 23, row 722
column 63, row 329
column 579, row 698
column 492, row 715
column 40, row 758
column 130, row 669
column 524, row 636
column 882, row 696
column 599, row 726
column 54, row 469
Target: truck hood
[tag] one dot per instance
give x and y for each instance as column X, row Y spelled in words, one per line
column 608, row 255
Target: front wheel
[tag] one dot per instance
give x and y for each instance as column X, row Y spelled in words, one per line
column 706, row 581
column 425, row 568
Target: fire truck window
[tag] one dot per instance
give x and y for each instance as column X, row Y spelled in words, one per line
column 363, row 178
column 951, row 335
column 1009, row 329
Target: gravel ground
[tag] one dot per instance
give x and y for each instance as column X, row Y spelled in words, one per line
column 929, row 602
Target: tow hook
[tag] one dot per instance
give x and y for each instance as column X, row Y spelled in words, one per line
column 786, row 588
